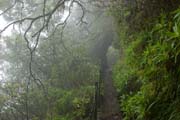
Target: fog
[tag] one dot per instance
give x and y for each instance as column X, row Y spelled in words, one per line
column 52, row 53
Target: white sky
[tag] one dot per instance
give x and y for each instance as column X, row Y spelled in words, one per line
column 8, row 32
column 3, row 23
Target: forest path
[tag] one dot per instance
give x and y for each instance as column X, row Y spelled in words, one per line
column 110, row 105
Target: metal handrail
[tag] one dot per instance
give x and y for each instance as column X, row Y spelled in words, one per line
column 96, row 100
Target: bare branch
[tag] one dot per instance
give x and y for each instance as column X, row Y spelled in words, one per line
column 9, row 8
column 46, row 18
column 83, row 11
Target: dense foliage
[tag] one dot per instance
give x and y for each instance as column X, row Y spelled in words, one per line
column 68, row 82
column 147, row 75
column 57, row 50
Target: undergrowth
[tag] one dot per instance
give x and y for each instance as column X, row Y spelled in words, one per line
column 147, row 76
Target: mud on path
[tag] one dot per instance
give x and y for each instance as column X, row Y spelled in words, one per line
column 110, row 105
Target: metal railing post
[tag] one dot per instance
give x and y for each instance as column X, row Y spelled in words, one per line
column 96, row 101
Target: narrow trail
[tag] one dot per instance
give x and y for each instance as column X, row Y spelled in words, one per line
column 110, row 107
column 110, row 95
